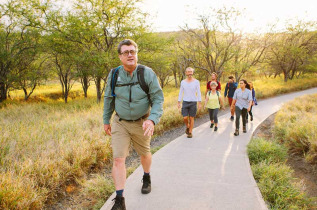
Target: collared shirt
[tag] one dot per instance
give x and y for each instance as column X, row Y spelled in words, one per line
column 139, row 105
column 242, row 98
column 191, row 91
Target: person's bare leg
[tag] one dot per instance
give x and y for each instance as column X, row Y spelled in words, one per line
column 119, row 173
column 191, row 124
column 146, row 161
column 186, row 122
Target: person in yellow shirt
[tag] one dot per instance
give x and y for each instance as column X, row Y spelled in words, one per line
column 213, row 102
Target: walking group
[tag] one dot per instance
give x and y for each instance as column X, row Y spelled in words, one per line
column 240, row 100
column 134, row 94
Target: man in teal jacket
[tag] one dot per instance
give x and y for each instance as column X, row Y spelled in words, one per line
column 134, row 120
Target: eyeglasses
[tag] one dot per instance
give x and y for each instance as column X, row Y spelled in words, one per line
column 127, row 52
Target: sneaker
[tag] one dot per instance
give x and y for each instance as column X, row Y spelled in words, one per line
column 190, row 135
column 211, row 125
column 251, row 118
column 216, row 128
column 146, row 187
column 236, row 133
column 244, row 129
column 119, row 203
column 232, row 118
column 187, row 131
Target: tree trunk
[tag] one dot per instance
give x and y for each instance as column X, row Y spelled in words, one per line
column 285, row 77
column 175, row 79
column 3, row 92
column 25, row 94
column 85, row 85
column 98, row 88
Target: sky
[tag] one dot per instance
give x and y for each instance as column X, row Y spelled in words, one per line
column 170, row 15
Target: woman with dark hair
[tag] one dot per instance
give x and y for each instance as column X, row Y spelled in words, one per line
column 254, row 102
column 242, row 100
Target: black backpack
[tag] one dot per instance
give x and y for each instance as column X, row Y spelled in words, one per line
column 141, row 81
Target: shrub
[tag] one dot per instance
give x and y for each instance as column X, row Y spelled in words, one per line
column 260, row 150
column 278, row 187
column 296, row 126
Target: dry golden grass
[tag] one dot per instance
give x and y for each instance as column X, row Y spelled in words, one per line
column 296, row 126
column 46, row 144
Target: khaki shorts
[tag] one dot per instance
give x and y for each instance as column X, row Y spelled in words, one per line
column 124, row 133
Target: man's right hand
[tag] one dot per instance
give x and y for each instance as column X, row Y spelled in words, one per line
column 107, row 128
column 178, row 105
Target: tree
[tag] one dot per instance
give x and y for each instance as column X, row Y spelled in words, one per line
column 212, row 46
column 18, row 32
column 247, row 54
column 292, row 50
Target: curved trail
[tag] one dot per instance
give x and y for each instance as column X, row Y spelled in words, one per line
column 209, row 171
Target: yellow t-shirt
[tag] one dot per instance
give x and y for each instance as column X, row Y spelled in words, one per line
column 213, row 100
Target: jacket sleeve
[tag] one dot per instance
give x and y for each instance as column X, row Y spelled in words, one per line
column 157, row 98
column 109, row 102
column 253, row 94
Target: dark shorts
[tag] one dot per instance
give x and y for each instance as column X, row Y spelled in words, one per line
column 189, row 108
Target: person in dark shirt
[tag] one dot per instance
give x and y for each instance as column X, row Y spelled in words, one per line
column 230, row 88
column 214, row 77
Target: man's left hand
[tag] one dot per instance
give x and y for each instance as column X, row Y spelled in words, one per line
column 148, row 127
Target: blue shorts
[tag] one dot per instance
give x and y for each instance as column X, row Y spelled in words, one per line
column 189, row 108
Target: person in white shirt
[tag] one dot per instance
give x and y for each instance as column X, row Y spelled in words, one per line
column 190, row 94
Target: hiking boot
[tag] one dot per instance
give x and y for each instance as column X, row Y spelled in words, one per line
column 216, row 128
column 146, row 187
column 190, row 135
column 251, row 118
column 232, row 118
column 119, row 203
column 187, row 131
column 244, row 129
column 211, row 125
column 236, row 133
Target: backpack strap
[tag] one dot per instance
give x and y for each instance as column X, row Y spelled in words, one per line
column 143, row 85
column 218, row 96
column 114, row 78
column 140, row 77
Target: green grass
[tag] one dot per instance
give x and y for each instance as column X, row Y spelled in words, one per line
column 274, row 178
column 46, row 144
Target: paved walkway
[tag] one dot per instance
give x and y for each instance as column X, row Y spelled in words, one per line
column 209, row 171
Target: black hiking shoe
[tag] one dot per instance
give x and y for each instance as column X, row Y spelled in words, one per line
column 216, row 128
column 190, row 135
column 232, row 118
column 146, row 187
column 244, row 129
column 236, row 133
column 187, row 131
column 119, row 203
column 211, row 125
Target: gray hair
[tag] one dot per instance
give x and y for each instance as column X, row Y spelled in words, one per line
column 127, row 42
column 190, row 68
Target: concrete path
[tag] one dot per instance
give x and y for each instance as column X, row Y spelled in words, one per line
column 209, row 171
